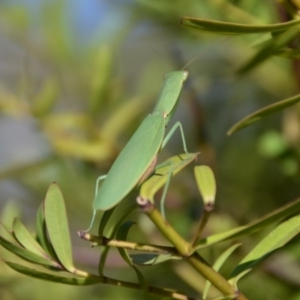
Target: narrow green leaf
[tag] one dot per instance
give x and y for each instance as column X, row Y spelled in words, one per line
column 42, row 233
column 258, row 115
column 105, row 218
column 99, row 80
column 27, row 255
column 228, row 28
column 150, row 187
column 57, row 226
column 45, row 100
column 217, row 265
column 9, row 211
column 269, row 48
column 124, row 209
column 122, row 235
column 111, row 232
column 272, row 144
column 235, row 280
column 92, row 279
column 272, row 242
column 206, row 183
column 232, row 297
column 288, row 53
column 102, row 260
column 148, row 296
column 123, row 230
column 6, row 234
column 22, row 170
column 271, row 218
column 148, row 259
column 26, row 240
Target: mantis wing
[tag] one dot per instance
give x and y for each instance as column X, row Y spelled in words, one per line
column 132, row 162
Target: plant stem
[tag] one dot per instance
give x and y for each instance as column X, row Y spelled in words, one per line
column 103, row 241
column 150, row 289
column 202, row 223
column 185, row 249
column 217, row 280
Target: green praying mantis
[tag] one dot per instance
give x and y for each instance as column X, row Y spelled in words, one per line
column 137, row 160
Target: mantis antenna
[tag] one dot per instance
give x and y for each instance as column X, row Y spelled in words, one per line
column 198, row 55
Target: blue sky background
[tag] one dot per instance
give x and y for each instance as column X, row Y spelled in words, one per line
column 84, row 18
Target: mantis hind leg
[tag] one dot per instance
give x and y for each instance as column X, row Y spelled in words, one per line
column 171, row 132
column 92, row 222
column 97, row 183
column 94, row 211
column 164, row 194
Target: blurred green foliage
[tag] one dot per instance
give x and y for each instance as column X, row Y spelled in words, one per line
column 69, row 103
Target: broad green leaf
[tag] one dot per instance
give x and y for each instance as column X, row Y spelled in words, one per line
column 60, row 278
column 122, row 235
column 148, row 259
column 217, row 265
column 27, row 255
column 228, row 28
column 256, row 116
column 150, row 187
column 272, row 242
column 42, row 233
column 271, row 218
column 269, row 48
column 26, row 240
column 57, row 226
column 206, row 184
